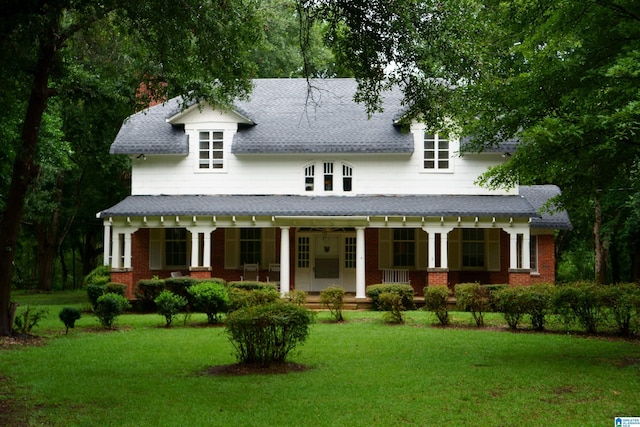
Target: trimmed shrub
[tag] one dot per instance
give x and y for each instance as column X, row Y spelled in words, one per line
column 28, row 318
column 99, row 275
column 95, row 291
column 68, row 316
column 249, row 285
column 491, row 290
column 581, row 302
column 538, row 303
column 391, row 303
column 623, row 302
column 147, row 290
column 474, row 298
column 211, row 298
column 296, row 297
column 115, row 288
column 435, row 301
column 266, row 334
column 332, row 298
column 180, row 286
column 405, row 292
column 246, row 298
column 512, row 303
column 109, row 307
column 169, row 305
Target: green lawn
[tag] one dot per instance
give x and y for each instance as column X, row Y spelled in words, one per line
column 363, row 373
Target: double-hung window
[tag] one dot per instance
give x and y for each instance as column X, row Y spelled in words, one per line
column 250, row 246
column 473, row 247
column 347, row 178
column 210, row 150
column 175, row 247
column 436, row 152
column 404, row 247
column 328, row 176
column 309, row 177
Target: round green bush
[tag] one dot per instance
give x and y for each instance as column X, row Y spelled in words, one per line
column 68, row 316
column 332, row 298
column 435, row 300
column 211, row 298
column 169, row 305
column 109, row 307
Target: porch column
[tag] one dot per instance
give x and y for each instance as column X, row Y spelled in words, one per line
column 513, row 250
column 526, row 251
column 432, row 249
column 360, row 264
column 127, row 249
column 115, row 254
column 284, row 261
column 106, row 239
column 444, row 250
column 206, row 256
column 195, row 248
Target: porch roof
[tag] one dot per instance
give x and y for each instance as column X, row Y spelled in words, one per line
column 307, row 206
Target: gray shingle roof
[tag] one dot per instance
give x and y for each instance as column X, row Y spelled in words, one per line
column 538, row 195
column 148, row 132
column 320, row 116
column 412, row 205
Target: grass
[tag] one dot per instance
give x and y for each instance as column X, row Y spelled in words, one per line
column 363, row 373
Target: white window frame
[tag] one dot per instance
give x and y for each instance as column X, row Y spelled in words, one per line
column 347, row 174
column 533, row 254
column 213, row 163
column 310, row 178
column 437, row 154
column 328, row 173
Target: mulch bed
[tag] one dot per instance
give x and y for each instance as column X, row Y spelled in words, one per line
column 238, row 369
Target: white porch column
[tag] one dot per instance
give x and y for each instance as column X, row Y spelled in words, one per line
column 206, row 256
column 526, row 254
column 360, row 264
column 106, row 244
column 432, row 249
column 285, row 284
column 127, row 249
column 115, row 253
column 195, row 248
column 513, row 250
column 444, row 250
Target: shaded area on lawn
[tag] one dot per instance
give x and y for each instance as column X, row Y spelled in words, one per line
column 238, row 369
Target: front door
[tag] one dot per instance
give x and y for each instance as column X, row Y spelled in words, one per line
column 326, row 261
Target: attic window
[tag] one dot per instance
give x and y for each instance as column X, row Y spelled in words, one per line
column 347, row 177
column 436, row 152
column 210, row 150
column 309, row 176
column 328, row 176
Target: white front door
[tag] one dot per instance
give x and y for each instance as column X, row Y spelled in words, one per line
column 326, row 261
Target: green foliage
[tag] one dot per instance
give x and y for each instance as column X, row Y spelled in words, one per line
column 28, row 318
column 115, row 288
column 211, row 298
column 169, row 305
column 512, row 303
column 147, row 290
column 95, row 291
column 405, row 291
column 435, row 300
column 266, row 334
column 391, row 303
column 250, row 285
column 241, row 297
column 623, row 302
column 538, row 303
column 474, row 298
column 68, row 316
column 332, row 298
column 109, row 307
column 99, row 275
column 581, row 302
column 180, row 285
column 296, row 297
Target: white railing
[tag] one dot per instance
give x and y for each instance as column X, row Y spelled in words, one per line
column 395, row 275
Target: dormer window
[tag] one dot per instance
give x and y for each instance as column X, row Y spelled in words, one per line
column 309, row 177
column 436, row 152
column 328, row 176
column 210, row 150
column 347, row 177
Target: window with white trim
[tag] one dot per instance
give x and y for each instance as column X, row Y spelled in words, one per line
column 347, row 178
column 533, row 253
column 328, row 176
column 175, row 247
column 304, row 251
column 309, row 177
column 404, row 247
column 436, row 152
column 210, row 150
column 473, row 247
column 349, row 252
column 250, row 246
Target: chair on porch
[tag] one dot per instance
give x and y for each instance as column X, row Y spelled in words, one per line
column 273, row 275
column 248, row 270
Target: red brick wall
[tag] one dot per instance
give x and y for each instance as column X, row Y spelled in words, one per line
column 546, row 260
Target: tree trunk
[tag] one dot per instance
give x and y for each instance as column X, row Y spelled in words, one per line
column 24, row 169
column 600, row 250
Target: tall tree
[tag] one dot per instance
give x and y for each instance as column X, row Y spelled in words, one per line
column 195, row 48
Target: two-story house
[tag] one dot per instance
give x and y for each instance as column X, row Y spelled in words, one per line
column 298, row 185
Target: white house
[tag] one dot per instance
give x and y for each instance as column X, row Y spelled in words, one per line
column 297, row 185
